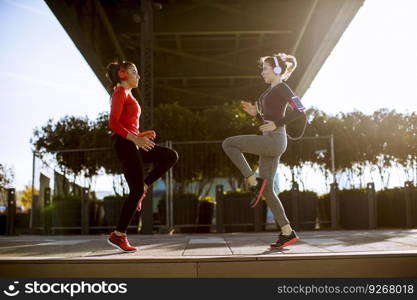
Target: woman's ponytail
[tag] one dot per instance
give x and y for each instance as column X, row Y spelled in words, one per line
column 111, row 75
column 290, row 62
column 286, row 62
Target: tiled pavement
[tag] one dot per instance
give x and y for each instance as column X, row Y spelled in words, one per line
column 209, row 245
column 334, row 247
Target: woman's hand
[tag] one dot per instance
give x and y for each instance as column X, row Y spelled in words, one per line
column 141, row 141
column 249, row 108
column 144, row 143
column 150, row 134
column 268, row 126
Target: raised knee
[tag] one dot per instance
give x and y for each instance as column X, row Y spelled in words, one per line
column 169, row 157
column 173, row 156
column 226, row 143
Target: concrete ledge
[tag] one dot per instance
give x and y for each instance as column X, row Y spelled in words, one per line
column 397, row 264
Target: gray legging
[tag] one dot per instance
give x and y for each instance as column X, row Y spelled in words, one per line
column 269, row 146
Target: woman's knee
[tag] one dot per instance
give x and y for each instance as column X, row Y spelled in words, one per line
column 172, row 156
column 269, row 196
column 228, row 142
column 269, row 192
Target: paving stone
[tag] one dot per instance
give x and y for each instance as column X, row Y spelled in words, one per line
column 210, row 245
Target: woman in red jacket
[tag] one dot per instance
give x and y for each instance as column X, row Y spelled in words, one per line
column 133, row 148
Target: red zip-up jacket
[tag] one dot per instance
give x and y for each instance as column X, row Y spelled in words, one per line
column 124, row 113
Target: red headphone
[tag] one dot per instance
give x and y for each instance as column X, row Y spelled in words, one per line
column 122, row 74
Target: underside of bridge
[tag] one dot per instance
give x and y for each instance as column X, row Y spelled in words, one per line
column 204, row 52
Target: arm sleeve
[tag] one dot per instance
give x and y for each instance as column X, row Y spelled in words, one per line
column 286, row 93
column 117, row 103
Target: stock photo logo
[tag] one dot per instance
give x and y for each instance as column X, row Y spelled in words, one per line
column 11, row 291
column 66, row 288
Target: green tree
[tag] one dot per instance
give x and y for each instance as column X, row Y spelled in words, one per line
column 6, row 176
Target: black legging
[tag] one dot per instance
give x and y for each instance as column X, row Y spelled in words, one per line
column 132, row 161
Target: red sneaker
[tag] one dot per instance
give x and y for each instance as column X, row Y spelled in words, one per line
column 120, row 242
column 284, row 241
column 139, row 206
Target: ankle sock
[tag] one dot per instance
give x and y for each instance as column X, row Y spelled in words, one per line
column 286, row 230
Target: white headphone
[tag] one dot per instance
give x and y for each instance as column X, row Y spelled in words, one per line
column 277, row 69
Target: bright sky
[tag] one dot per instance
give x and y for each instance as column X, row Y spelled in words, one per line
column 42, row 74
column 374, row 64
